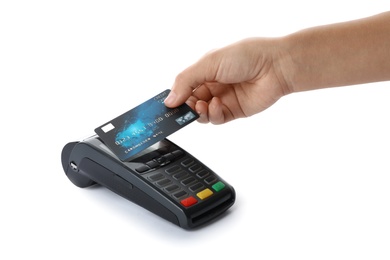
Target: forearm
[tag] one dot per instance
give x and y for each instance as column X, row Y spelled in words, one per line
column 341, row 54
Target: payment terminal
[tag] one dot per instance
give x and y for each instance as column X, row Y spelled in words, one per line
column 163, row 178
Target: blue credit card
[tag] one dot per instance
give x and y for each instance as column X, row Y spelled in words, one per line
column 143, row 126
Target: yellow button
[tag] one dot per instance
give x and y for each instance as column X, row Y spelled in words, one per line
column 204, row 194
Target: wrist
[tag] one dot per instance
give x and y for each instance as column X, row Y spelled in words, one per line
column 283, row 64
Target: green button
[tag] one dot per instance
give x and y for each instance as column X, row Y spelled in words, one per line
column 218, row 186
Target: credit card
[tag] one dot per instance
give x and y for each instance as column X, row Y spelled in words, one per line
column 143, row 126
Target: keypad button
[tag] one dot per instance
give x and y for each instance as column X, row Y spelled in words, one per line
column 163, row 182
column 177, row 153
column 172, row 188
column 180, row 175
column 197, row 186
column 142, row 169
column 173, row 169
column 152, row 164
column 169, row 156
column 188, row 181
column 218, row 186
column 194, row 168
column 156, row 177
column 179, row 194
column 210, row 179
column 188, row 201
column 187, row 162
column 161, row 160
column 204, row 194
column 202, row 174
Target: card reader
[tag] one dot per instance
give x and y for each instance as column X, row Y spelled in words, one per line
column 163, row 178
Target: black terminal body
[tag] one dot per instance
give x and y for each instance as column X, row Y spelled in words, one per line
column 164, row 179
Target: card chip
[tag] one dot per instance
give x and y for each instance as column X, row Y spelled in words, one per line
column 108, row 128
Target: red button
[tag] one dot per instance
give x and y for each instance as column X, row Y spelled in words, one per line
column 189, row 201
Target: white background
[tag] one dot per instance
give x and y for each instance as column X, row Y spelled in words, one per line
column 312, row 172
